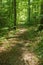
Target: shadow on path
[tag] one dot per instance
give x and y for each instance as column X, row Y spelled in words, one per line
column 18, row 53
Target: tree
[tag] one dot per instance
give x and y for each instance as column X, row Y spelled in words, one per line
column 14, row 14
column 29, row 10
column 41, row 21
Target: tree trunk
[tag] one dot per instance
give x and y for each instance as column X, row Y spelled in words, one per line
column 41, row 21
column 28, row 19
column 29, row 10
column 14, row 14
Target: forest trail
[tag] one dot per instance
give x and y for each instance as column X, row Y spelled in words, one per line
column 13, row 39
column 26, row 57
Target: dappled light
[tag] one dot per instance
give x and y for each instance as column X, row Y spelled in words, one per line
column 21, row 32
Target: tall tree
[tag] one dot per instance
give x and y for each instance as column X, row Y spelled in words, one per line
column 28, row 19
column 41, row 21
column 29, row 10
column 14, row 14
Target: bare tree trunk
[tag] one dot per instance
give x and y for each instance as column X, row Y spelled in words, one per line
column 41, row 21
column 14, row 14
column 28, row 19
column 29, row 10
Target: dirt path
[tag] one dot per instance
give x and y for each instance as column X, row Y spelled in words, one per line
column 12, row 40
column 28, row 57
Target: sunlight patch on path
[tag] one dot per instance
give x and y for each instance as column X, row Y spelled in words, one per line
column 29, row 58
column 22, row 30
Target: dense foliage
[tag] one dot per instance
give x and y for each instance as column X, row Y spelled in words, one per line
column 27, row 12
column 21, row 32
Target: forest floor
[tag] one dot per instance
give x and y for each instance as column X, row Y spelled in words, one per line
column 22, row 47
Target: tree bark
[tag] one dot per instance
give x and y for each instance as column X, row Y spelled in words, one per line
column 41, row 21
column 28, row 19
column 14, row 14
column 29, row 9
